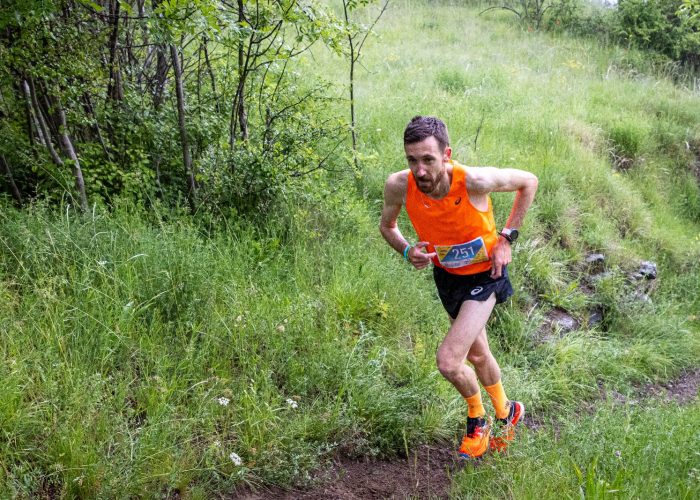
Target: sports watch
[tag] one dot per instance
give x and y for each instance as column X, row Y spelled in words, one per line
column 510, row 234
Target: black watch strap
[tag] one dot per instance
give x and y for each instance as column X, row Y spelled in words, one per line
column 509, row 234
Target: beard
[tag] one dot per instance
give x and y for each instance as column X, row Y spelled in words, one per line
column 426, row 185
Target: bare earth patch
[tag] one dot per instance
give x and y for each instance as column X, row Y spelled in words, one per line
column 424, row 474
column 683, row 389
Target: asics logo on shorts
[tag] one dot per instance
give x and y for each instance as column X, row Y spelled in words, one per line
column 477, row 290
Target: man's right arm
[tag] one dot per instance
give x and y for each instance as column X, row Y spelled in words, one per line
column 394, row 198
column 394, row 195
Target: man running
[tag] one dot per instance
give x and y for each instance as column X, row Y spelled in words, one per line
column 450, row 209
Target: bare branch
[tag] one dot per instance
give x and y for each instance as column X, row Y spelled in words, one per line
column 504, row 7
column 359, row 47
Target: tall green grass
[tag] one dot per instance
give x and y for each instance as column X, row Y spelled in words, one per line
column 122, row 333
column 611, row 452
column 141, row 350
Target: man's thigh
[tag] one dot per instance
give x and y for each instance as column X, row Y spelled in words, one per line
column 467, row 326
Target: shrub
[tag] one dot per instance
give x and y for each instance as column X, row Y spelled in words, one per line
column 661, row 26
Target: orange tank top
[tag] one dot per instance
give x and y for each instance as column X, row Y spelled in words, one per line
column 461, row 235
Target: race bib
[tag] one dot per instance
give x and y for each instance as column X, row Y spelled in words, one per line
column 463, row 254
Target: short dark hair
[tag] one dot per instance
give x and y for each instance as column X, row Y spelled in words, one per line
column 422, row 127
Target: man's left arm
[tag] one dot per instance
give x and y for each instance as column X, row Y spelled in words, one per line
column 524, row 184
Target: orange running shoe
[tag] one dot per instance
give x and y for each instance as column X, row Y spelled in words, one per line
column 504, row 431
column 476, row 440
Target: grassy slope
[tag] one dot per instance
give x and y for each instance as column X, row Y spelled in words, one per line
column 558, row 107
column 118, row 335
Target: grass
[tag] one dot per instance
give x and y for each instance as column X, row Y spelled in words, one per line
column 121, row 331
column 610, row 452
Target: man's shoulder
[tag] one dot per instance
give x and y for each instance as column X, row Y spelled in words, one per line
column 480, row 179
column 398, row 180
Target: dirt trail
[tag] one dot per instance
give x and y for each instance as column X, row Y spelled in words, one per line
column 683, row 389
column 425, row 474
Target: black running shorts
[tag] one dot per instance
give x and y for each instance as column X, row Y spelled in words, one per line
column 454, row 289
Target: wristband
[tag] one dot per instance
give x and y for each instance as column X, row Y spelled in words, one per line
column 405, row 251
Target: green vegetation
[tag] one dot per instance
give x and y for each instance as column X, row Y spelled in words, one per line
column 612, row 452
column 142, row 347
column 669, row 30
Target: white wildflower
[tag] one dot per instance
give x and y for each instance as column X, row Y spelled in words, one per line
column 217, row 443
column 235, row 459
column 223, row 401
column 292, row 404
column 102, row 262
column 280, row 328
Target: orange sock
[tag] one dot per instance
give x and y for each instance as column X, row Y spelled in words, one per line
column 499, row 399
column 475, row 407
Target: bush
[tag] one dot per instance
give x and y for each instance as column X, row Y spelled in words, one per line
column 661, row 26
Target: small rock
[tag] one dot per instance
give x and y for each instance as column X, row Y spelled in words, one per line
column 562, row 320
column 595, row 317
column 641, row 297
column 567, row 323
column 595, row 258
column 647, row 269
column 602, row 276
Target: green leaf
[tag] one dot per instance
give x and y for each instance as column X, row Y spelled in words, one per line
column 94, row 6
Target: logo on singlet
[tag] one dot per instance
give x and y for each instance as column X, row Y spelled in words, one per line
column 459, row 200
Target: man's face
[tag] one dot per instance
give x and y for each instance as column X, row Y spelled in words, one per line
column 427, row 159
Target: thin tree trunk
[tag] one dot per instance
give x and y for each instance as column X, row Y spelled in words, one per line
column 157, row 88
column 31, row 125
column 160, row 77
column 45, row 134
column 352, row 112
column 199, row 81
column 238, row 111
column 10, row 180
column 90, row 109
column 49, row 120
column 114, row 87
column 187, row 159
column 70, row 152
column 31, row 117
column 211, row 75
column 353, row 58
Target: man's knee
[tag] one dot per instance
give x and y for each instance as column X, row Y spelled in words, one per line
column 479, row 358
column 448, row 367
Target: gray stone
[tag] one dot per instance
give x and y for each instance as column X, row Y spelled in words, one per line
column 602, row 276
column 562, row 320
column 595, row 317
column 595, row 258
column 642, row 297
column 647, row 269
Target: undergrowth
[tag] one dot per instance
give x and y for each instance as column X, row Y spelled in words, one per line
column 151, row 354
